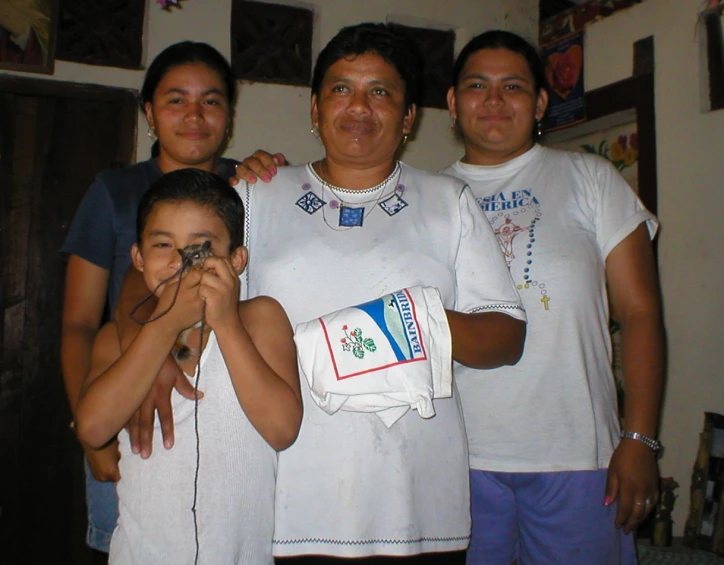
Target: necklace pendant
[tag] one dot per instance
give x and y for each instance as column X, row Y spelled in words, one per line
column 351, row 217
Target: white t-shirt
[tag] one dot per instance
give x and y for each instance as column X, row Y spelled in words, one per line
column 235, row 502
column 557, row 215
column 350, row 486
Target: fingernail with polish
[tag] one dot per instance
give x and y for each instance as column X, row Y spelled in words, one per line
column 607, row 501
column 266, row 178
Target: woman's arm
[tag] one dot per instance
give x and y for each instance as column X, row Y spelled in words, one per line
column 260, row 166
column 635, row 299
column 488, row 336
column 486, row 340
column 86, row 286
column 85, row 295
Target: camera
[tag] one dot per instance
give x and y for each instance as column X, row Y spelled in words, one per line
column 194, row 255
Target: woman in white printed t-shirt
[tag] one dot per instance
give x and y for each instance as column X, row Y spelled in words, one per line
column 552, row 481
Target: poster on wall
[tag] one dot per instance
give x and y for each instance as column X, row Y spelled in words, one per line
column 563, row 60
column 27, row 35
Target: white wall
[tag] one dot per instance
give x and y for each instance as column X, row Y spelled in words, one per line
column 277, row 117
column 691, row 206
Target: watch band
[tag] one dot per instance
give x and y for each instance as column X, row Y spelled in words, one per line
column 651, row 443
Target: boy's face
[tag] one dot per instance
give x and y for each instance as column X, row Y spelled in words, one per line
column 172, row 226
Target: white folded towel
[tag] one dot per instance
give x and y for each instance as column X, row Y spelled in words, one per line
column 385, row 356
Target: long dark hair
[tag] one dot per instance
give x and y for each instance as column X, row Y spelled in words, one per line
column 184, row 53
column 396, row 49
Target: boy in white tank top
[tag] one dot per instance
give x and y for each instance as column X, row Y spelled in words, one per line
column 211, row 498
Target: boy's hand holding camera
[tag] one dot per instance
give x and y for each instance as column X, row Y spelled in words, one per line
column 219, row 289
column 179, row 306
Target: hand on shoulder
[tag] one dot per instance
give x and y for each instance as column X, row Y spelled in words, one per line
column 259, row 166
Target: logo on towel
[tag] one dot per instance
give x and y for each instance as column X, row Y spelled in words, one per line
column 357, row 344
column 387, row 327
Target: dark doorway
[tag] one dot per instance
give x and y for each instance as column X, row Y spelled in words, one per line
column 54, row 138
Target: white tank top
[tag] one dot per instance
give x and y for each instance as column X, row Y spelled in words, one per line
column 236, row 475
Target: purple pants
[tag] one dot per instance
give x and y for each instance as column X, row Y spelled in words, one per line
column 545, row 519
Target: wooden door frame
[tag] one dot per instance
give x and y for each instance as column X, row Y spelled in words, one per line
column 35, row 401
column 634, row 93
column 63, row 89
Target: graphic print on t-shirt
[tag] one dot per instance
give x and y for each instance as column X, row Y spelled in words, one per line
column 514, row 216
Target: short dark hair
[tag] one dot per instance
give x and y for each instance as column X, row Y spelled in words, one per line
column 199, row 187
column 395, row 48
column 499, row 39
column 184, row 53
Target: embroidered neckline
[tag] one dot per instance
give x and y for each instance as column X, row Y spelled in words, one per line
column 352, row 209
column 338, row 189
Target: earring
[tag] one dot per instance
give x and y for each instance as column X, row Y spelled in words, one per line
column 538, row 127
column 314, row 131
column 151, row 133
column 404, row 140
column 453, row 124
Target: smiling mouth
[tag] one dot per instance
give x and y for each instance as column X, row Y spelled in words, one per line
column 358, row 129
column 193, row 135
column 496, row 118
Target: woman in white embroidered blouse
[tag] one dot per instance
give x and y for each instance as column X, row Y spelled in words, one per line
column 351, row 227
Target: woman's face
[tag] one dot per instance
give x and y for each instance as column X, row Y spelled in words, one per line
column 496, row 104
column 360, row 111
column 190, row 114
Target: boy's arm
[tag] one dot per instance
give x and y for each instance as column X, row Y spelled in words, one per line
column 102, row 458
column 141, row 425
column 257, row 342
column 262, row 361
column 116, row 387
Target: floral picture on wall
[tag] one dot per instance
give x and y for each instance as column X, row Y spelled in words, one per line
column 618, row 144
